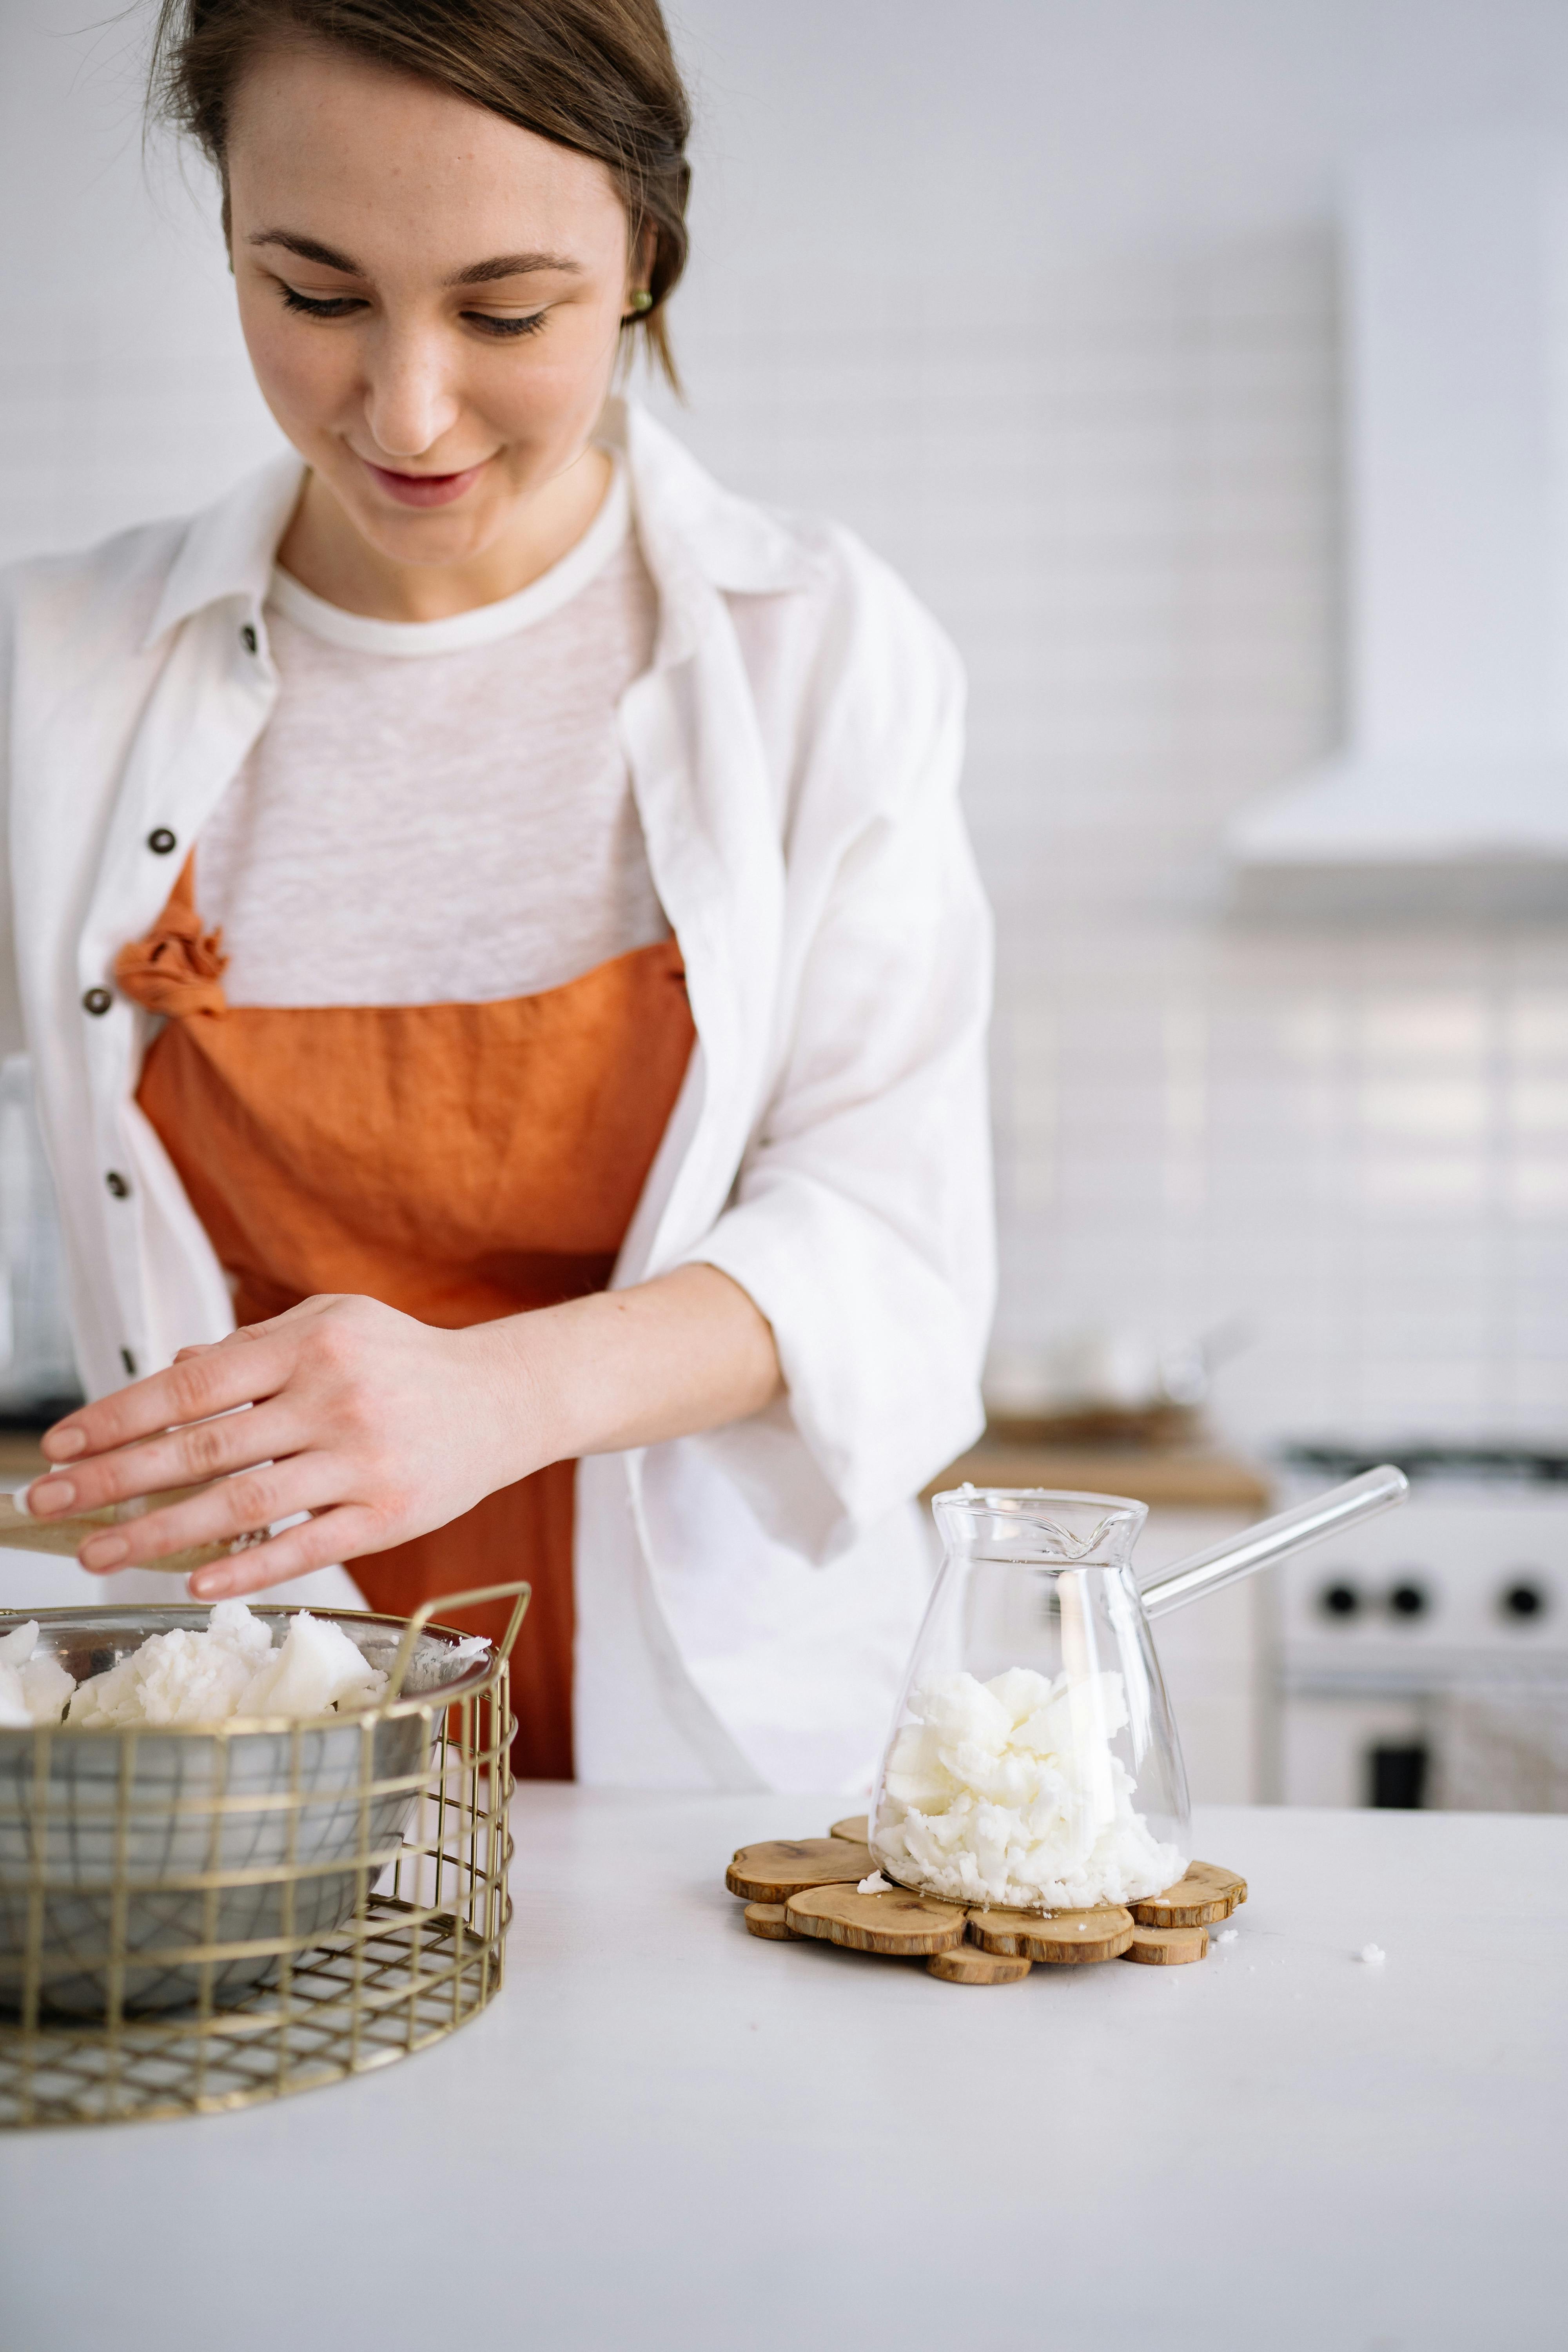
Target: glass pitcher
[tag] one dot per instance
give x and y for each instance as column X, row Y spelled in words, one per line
column 1034, row 1762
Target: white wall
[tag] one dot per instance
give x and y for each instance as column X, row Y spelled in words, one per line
column 886, row 134
column 1041, row 296
column 124, row 391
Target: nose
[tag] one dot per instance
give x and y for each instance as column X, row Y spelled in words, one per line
column 410, row 400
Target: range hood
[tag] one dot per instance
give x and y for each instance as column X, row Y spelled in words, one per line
column 1451, row 795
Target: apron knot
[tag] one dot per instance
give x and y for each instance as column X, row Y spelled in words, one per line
column 178, row 968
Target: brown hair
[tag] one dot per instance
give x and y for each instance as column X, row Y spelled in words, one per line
column 598, row 75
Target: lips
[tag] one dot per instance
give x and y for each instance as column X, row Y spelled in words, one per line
column 422, row 489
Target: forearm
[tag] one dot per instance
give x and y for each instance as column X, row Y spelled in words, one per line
column 381, row 1428
column 686, row 1352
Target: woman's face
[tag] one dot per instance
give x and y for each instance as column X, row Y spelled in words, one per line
column 431, row 297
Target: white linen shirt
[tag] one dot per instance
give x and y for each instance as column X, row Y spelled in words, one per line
column 745, row 1598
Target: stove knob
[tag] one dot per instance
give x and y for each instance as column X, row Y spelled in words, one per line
column 1523, row 1600
column 1409, row 1598
column 1339, row 1599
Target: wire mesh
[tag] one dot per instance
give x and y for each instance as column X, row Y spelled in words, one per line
column 198, row 1920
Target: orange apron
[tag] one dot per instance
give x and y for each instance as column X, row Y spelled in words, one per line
column 457, row 1161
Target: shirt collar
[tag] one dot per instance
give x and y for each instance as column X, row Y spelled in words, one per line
column 227, row 549
column 734, row 545
column 696, row 536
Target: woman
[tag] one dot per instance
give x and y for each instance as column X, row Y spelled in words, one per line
column 504, row 969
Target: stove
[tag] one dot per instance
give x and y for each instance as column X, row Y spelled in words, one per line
column 1423, row 1660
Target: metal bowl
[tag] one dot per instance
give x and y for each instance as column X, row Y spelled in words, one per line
column 148, row 1869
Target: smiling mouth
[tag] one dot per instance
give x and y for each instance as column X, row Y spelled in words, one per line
column 424, row 489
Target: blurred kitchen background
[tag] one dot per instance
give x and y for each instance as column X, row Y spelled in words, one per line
column 1203, row 365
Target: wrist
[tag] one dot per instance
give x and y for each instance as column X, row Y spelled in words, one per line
column 686, row 1351
column 515, row 1400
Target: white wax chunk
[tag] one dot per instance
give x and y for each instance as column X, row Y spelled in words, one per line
column 33, row 1687
column 1010, row 1792
column 14, row 1715
column 17, row 1646
column 232, row 1669
column 317, row 1666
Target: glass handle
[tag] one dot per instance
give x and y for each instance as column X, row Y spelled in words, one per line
column 1271, row 1539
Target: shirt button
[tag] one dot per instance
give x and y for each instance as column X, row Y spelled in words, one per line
column 248, row 638
column 97, row 999
column 118, row 1184
column 161, row 841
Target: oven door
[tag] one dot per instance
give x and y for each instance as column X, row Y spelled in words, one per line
column 1475, row 1742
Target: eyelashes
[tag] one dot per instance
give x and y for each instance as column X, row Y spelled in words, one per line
column 336, row 305
column 506, row 330
column 343, row 306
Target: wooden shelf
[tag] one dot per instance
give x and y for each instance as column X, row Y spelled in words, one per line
column 20, row 1460
column 1195, row 1480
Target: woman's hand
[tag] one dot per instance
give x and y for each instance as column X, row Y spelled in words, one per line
column 382, row 1428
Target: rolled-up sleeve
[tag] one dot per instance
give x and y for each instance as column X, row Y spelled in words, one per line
column 861, row 1222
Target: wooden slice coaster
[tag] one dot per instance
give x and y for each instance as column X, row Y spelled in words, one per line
column 1191, row 1902
column 1226, row 1882
column 1102, row 1934
column 772, row 1873
column 1204, row 1895
column 1167, row 1947
column 966, row 1965
column 900, row 1924
column 858, row 1827
column 768, row 1919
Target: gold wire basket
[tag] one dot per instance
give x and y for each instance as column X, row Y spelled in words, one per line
column 196, row 1920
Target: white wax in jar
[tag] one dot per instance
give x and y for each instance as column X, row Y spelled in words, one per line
column 1009, row 1792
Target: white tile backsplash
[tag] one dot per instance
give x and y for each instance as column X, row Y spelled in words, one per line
column 1119, row 489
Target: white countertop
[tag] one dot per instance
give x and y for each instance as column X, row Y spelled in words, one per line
column 666, row 2134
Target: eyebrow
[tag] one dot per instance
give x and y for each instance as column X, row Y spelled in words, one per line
column 480, row 273
column 514, row 265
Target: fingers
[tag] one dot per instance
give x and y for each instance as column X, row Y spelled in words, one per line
column 175, row 1457
column 335, row 1535
column 214, row 1382
column 234, row 1506
column 241, row 1332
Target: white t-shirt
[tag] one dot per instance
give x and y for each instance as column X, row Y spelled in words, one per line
column 440, row 812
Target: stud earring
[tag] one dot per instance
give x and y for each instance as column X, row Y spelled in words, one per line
column 641, row 301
